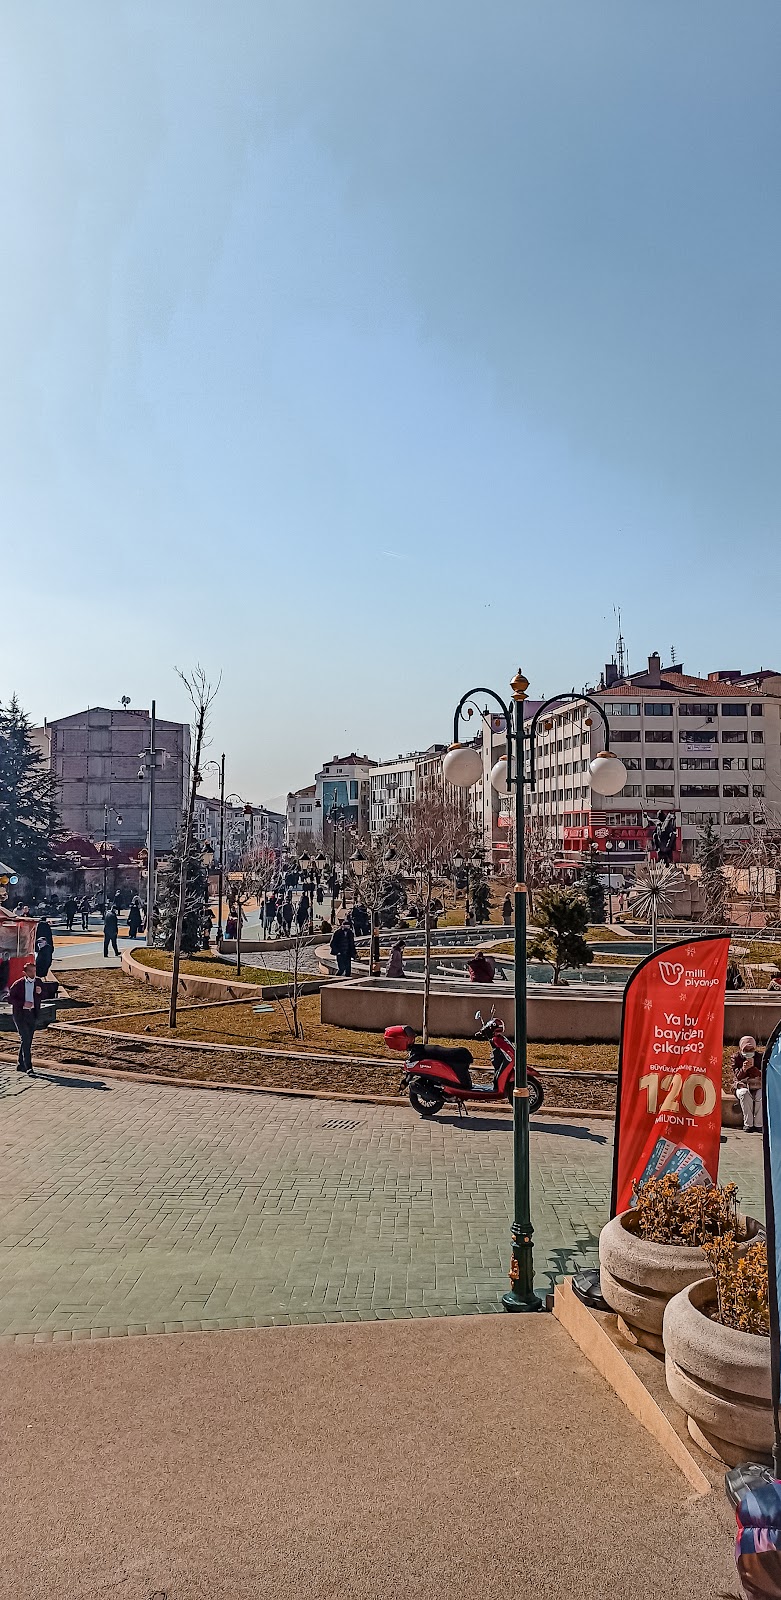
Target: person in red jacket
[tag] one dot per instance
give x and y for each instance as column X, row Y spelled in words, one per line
column 25, row 997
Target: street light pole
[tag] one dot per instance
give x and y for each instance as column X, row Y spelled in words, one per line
column 462, row 767
column 222, row 845
column 151, row 758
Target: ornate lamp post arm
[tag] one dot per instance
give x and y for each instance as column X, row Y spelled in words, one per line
column 554, row 700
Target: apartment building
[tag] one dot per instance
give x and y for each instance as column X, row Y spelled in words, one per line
column 97, row 759
column 695, row 746
column 396, row 785
column 300, row 817
column 245, row 829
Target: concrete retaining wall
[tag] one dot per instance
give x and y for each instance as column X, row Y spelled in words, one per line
column 554, row 1017
column 211, row 988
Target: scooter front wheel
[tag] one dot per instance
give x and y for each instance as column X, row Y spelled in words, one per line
column 425, row 1098
column 536, row 1094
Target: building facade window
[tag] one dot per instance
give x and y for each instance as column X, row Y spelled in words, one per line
column 733, row 790
column 739, row 737
column 699, row 791
column 658, row 736
column 659, row 763
column 731, row 710
column 702, row 708
column 699, row 763
column 623, row 708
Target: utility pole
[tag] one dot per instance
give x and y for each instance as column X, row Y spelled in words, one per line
column 222, row 845
column 151, row 760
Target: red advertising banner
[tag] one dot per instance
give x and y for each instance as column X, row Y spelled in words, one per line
column 668, row 1111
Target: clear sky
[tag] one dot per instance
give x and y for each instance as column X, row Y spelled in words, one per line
column 363, row 350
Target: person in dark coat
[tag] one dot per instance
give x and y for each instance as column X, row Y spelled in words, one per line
column 302, row 912
column 70, row 912
column 85, row 909
column 135, row 918
column 507, row 911
column 110, row 931
column 395, row 967
column 44, row 947
column 343, row 947
column 25, row 996
column 287, row 913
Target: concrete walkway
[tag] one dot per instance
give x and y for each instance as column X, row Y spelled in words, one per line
column 450, row 1458
column 141, row 1208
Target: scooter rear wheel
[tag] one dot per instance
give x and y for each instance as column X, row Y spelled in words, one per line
column 536, row 1094
column 425, row 1098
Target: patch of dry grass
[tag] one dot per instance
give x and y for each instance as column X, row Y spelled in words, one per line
column 206, row 966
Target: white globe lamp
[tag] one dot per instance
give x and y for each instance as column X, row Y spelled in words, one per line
column 499, row 776
column 607, row 772
column 462, row 766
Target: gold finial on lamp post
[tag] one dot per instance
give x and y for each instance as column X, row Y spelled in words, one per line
column 519, row 685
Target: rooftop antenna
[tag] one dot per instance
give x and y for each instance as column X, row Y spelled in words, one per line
column 673, row 656
column 622, row 662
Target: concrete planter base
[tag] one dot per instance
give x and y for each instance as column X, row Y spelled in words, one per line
column 638, row 1277
column 719, row 1376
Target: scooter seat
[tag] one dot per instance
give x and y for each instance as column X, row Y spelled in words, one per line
column 451, row 1056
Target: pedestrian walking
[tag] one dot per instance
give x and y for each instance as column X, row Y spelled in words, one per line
column 395, row 967
column 747, row 1075
column 302, row 912
column 343, row 947
column 135, row 918
column 269, row 911
column 507, row 911
column 287, row 912
column 70, row 909
column 85, row 909
column 110, row 931
column 25, row 996
column 44, row 947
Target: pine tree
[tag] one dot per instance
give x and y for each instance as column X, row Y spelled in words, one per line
column 592, row 888
column 561, row 917
column 709, row 854
column 28, row 803
column 196, row 890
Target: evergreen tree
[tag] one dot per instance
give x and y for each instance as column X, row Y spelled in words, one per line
column 196, row 891
column 561, row 917
column 480, row 895
column 28, row 796
column 709, row 854
column 595, row 895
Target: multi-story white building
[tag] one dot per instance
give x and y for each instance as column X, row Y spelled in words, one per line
column 693, row 746
column 396, row 785
column 301, row 814
column 245, row 828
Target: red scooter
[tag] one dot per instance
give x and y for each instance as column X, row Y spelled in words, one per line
column 435, row 1073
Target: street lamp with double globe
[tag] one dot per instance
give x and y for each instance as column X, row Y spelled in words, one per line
column 462, row 767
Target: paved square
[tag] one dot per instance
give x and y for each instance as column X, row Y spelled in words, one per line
column 134, row 1208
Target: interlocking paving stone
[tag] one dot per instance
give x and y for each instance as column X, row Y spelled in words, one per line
column 145, row 1209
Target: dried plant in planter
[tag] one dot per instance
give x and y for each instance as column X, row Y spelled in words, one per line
column 741, row 1284
column 668, row 1214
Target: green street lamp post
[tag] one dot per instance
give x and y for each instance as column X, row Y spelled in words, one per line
column 463, row 767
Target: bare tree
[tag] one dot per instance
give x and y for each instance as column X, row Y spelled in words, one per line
column 426, row 839
column 371, row 875
column 202, row 695
column 255, row 872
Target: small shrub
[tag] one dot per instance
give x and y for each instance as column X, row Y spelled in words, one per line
column 741, row 1284
column 668, row 1214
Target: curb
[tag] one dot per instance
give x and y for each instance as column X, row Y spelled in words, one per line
column 592, row 1338
column 161, row 1079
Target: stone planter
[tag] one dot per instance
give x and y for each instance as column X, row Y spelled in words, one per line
column 719, row 1376
column 638, row 1277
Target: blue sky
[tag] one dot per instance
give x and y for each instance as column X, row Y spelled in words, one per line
column 365, row 351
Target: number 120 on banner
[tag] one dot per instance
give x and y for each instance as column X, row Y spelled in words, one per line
column 668, row 1113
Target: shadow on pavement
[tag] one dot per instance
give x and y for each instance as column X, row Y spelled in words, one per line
column 71, row 1083
column 571, row 1129
column 478, row 1121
